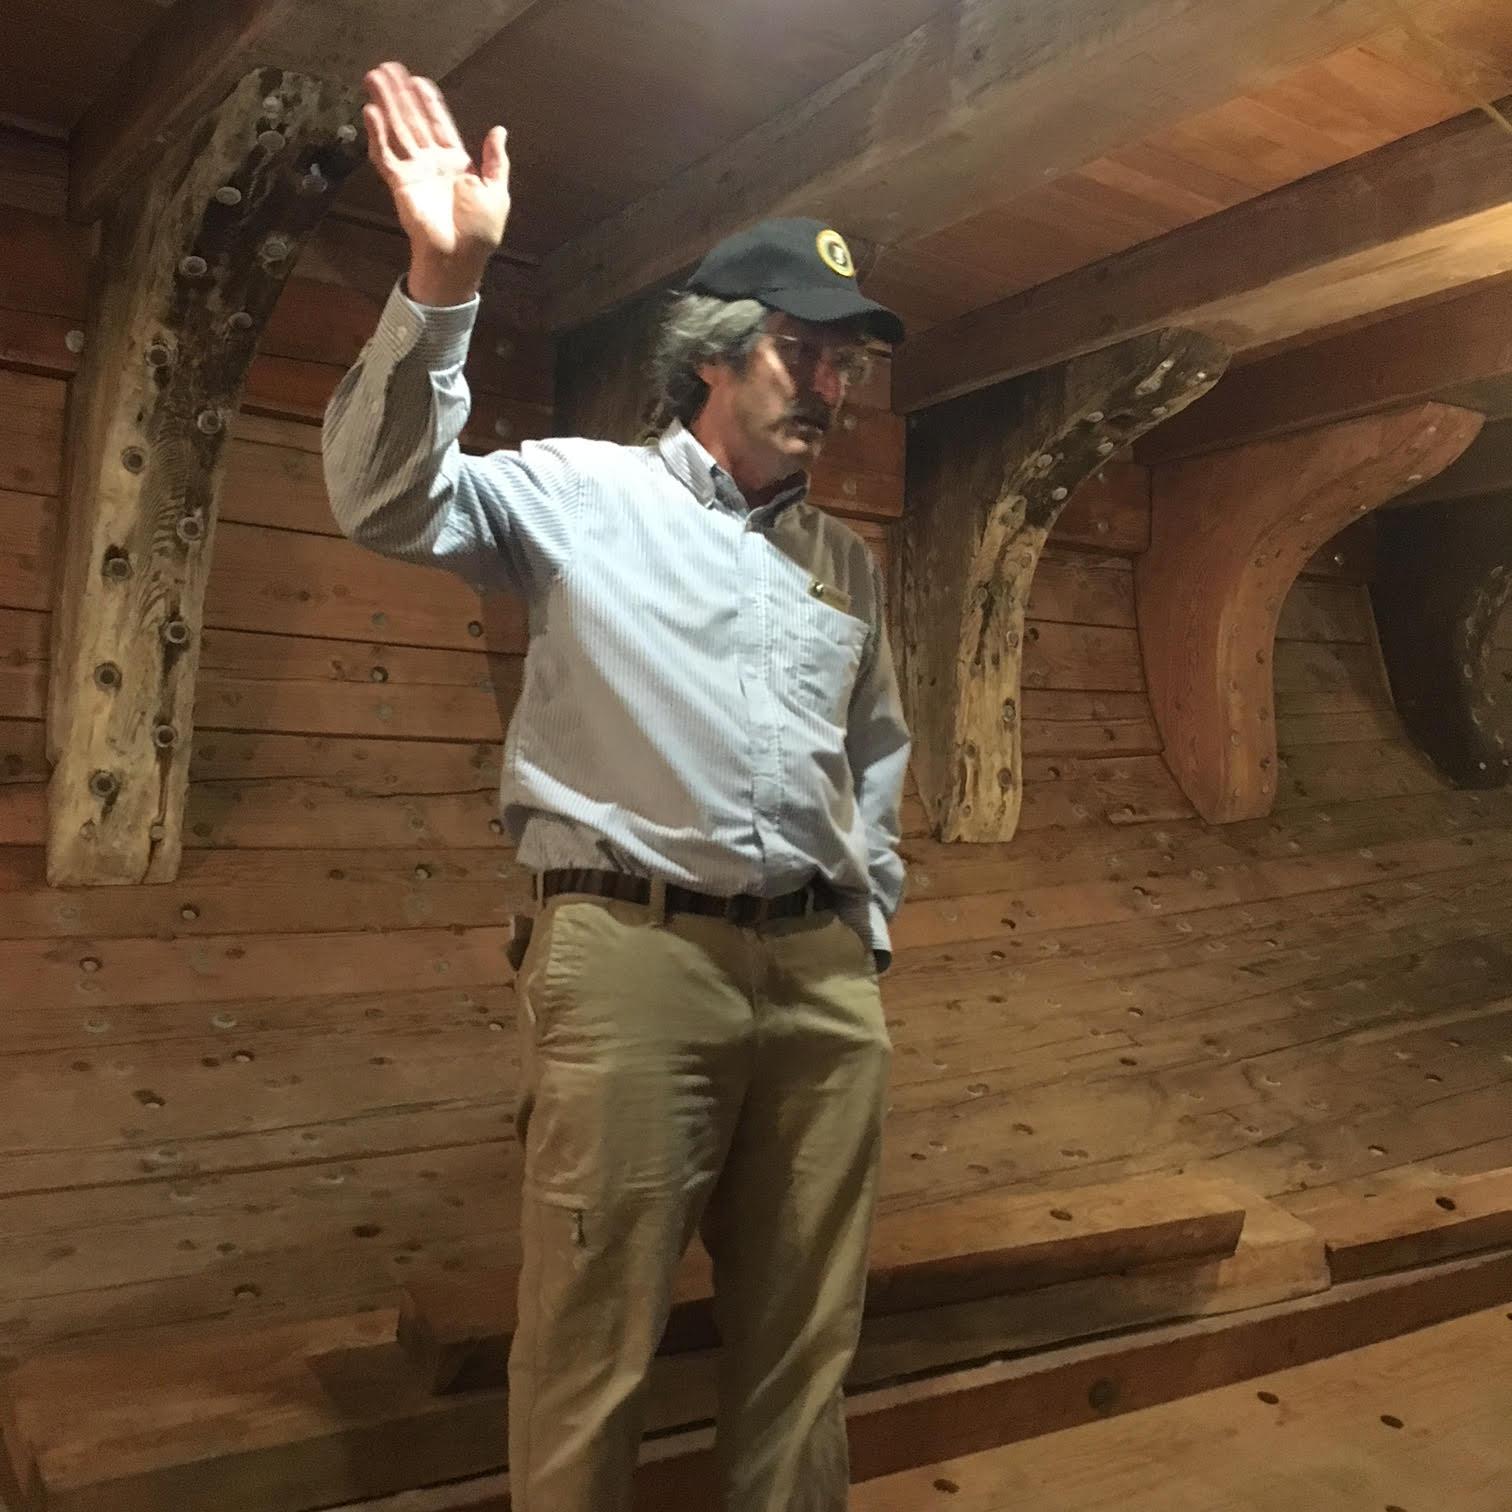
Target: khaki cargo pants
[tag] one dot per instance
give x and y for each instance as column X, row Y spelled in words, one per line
column 686, row 1074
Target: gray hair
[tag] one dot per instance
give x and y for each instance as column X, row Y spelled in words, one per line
column 697, row 329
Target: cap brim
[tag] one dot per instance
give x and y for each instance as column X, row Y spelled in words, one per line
column 825, row 306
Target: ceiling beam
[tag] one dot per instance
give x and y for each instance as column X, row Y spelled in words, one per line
column 1396, row 361
column 981, row 93
column 198, row 49
column 1430, row 212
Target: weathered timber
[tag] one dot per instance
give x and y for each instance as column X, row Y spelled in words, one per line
column 192, row 267
column 988, row 476
column 1443, row 587
column 976, row 1247
column 1416, row 1225
column 1403, row 359
column 900, row 145
column 1417, row 217
column 191, row 58
column 1230, row 533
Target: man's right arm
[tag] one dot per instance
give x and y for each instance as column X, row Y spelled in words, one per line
column 398, row 481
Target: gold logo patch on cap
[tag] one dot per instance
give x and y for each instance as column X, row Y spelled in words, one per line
column 835, row 254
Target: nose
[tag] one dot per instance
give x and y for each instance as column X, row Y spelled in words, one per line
column 827, row 383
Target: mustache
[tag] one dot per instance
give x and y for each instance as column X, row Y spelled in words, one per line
column 820, row 417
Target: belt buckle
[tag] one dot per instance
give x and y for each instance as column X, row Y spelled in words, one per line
column 747, row 910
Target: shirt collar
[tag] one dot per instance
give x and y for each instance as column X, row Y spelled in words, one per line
column 690, row 462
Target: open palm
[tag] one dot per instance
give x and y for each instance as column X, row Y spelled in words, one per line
column 452, row 210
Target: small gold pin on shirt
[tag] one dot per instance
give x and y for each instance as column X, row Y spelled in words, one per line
column 827, row 593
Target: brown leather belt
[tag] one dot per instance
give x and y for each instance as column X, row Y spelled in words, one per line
column 744, row 908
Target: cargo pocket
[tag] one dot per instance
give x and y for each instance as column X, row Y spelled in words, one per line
column 561, row 1116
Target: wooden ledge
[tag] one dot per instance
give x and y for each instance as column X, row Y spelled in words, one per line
column 1416, row 1225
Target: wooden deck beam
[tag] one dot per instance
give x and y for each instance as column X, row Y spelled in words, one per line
column 988, row 477
column 900, row 146
column 192, row 264
column 1229, row 534
column 1428, row 213
column 1404, row 359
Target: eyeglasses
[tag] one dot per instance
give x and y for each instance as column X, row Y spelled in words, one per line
column 849, row 361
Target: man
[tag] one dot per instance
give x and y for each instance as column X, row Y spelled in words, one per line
column 703, row 773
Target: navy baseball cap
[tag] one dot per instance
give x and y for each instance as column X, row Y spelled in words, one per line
column 799, row 266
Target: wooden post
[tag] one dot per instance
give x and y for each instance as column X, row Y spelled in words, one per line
column 1229, row 533
column 1444, row 581
column 191, row 264
column 988, row 475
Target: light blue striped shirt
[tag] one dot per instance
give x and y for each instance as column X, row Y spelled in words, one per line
column 708, row 695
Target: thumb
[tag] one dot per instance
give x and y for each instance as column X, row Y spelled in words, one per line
column 495, row 168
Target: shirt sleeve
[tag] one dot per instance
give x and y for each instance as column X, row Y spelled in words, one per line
column 877, row 744
column 400, row 484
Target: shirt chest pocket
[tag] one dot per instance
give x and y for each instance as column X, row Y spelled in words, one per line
column 830, row 644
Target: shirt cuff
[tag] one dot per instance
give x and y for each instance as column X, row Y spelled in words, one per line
column 438, row 335
column 865, row 916
column 881, row 937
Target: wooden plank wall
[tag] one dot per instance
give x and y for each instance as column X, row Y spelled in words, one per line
column 271, row 1086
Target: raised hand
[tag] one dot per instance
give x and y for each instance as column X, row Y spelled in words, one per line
column 453, row 212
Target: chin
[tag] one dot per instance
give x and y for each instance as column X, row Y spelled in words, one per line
column 801, row 451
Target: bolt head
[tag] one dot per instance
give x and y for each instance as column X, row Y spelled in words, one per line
column 270, row 141
column 228, row 194
column 74, row 341
column 193, row 266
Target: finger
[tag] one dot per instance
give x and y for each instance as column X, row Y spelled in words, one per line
column 390, row 83
column 495, row 168
column 443, row 127
column 380, row 149
column 414, row 106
